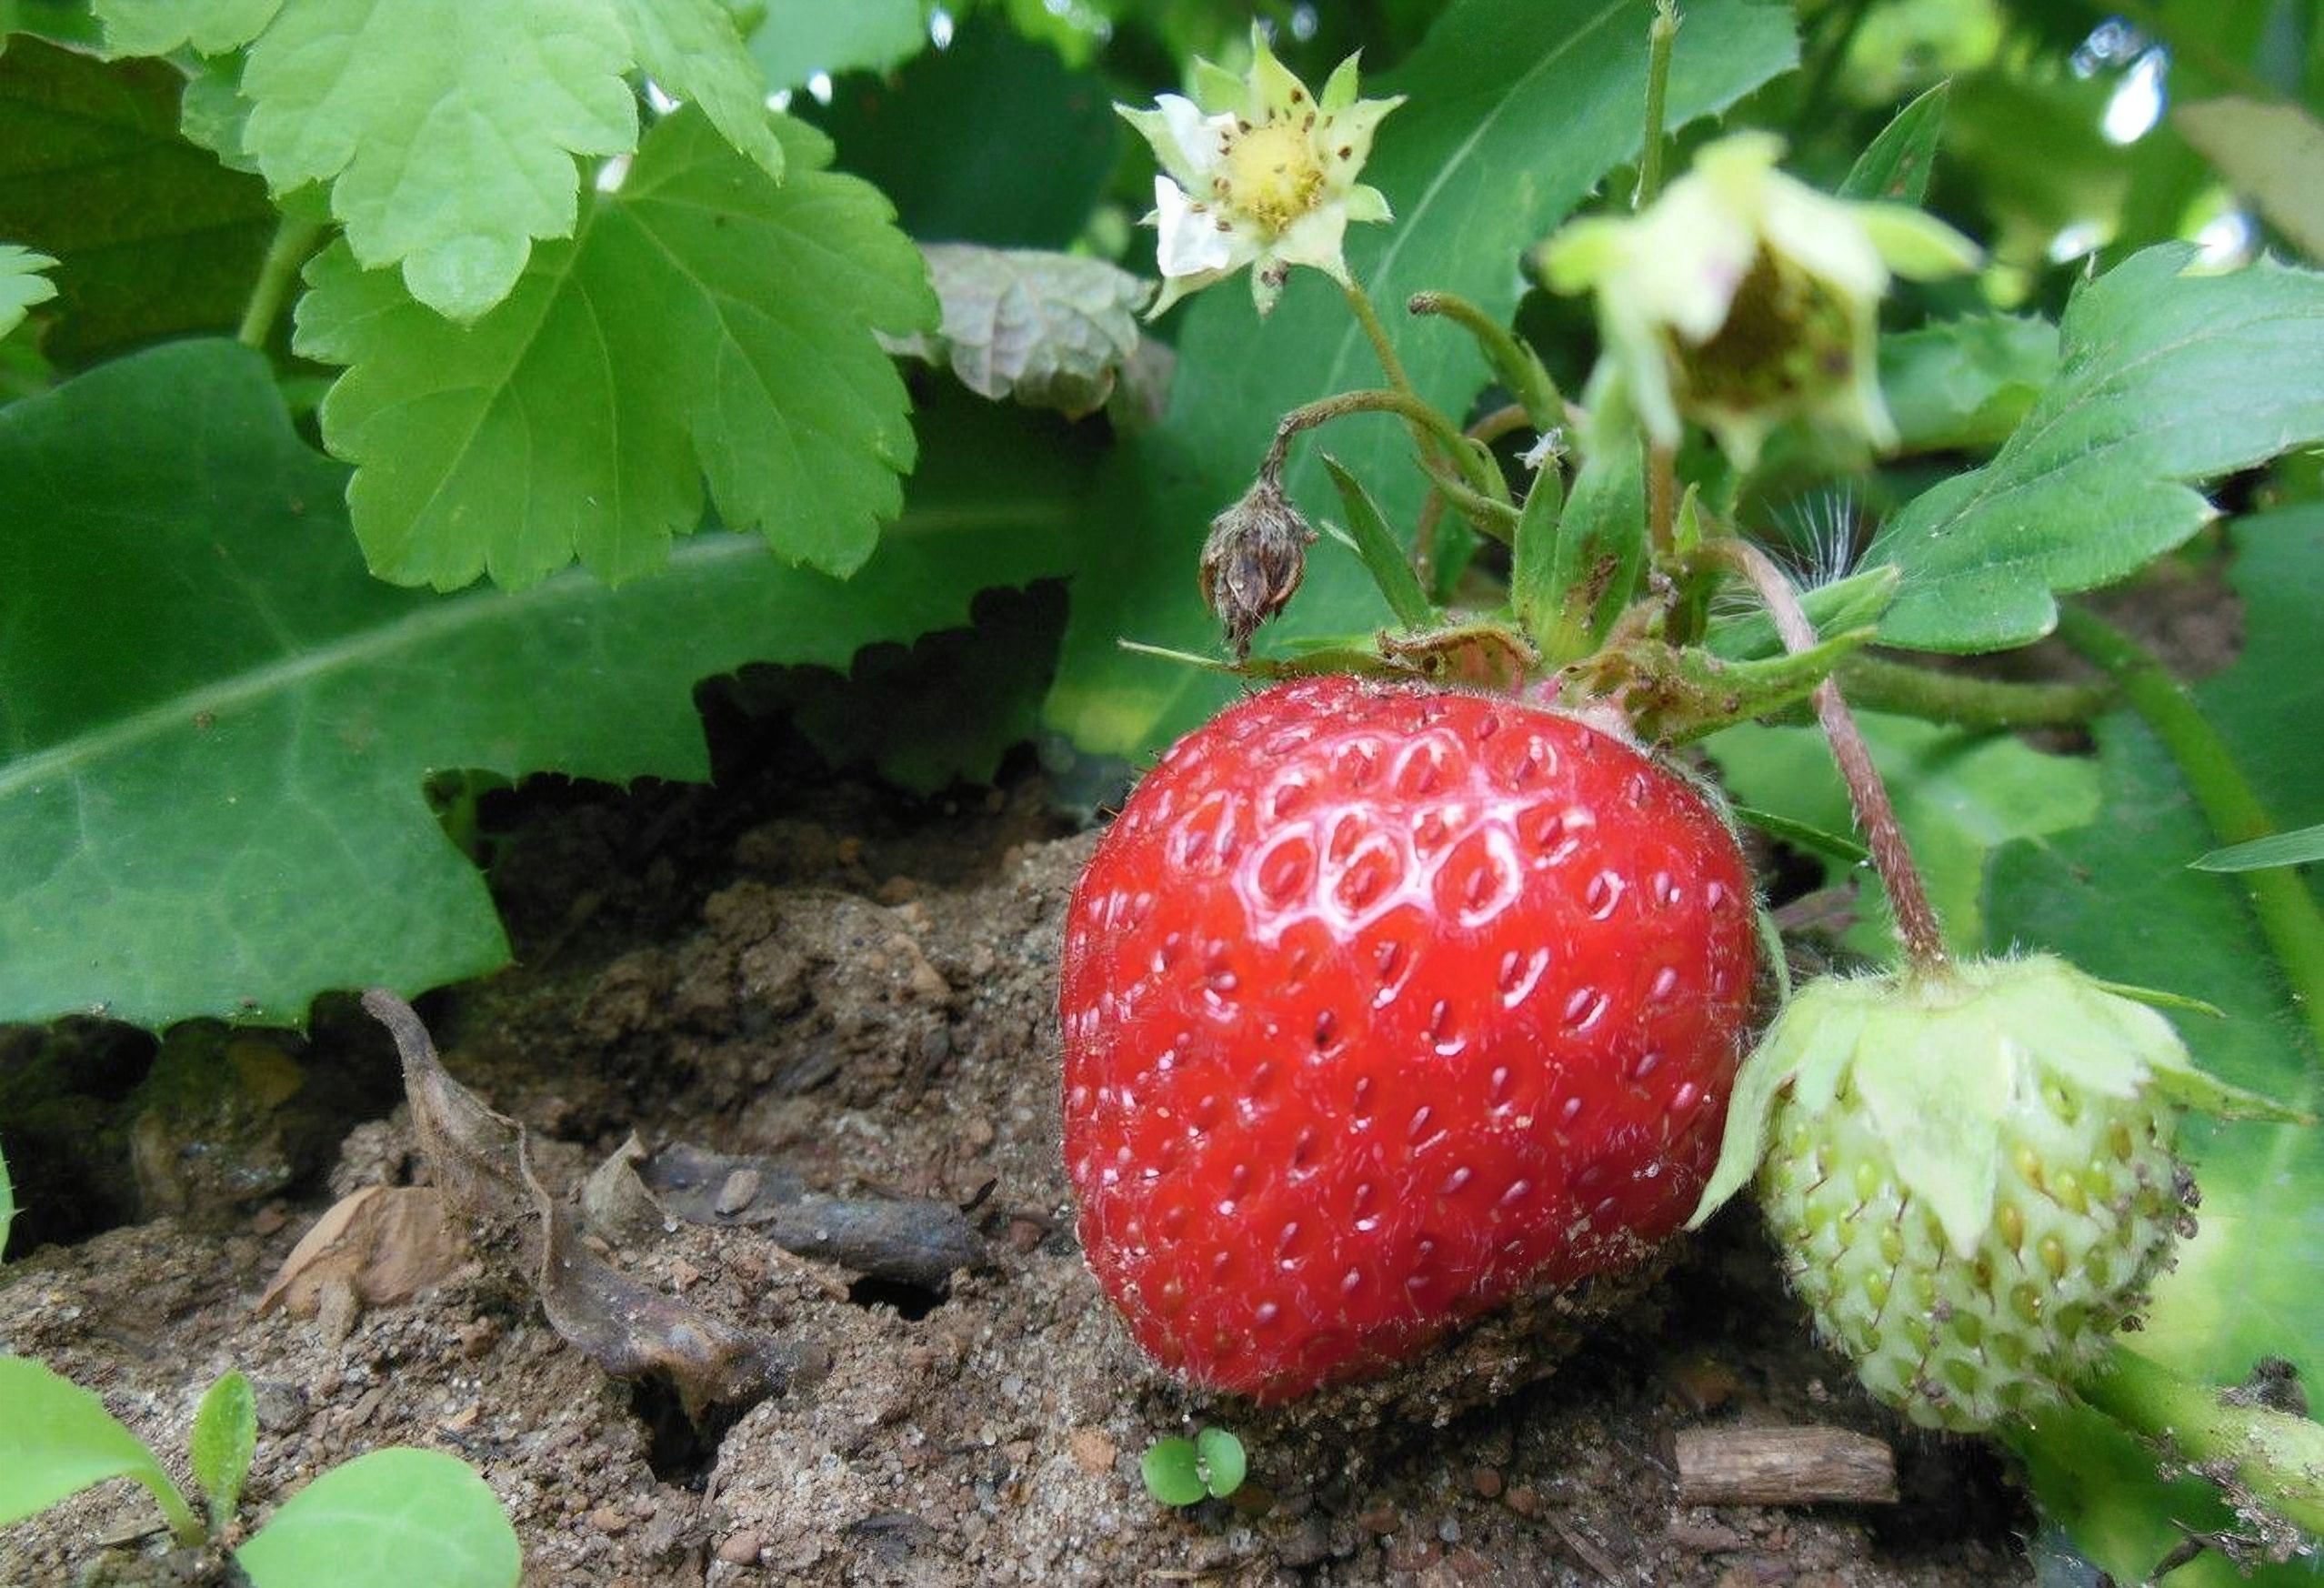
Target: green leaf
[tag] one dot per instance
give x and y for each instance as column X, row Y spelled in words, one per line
column 385, row 1519
column 2273, row 153
column 22, row 285
column 691, row 50
column 8, row 1206
column 1896, row 164
column 157, row 28
column 2282, row 848
column 218, row 725
column 58, row 1439
column 1518, row 109
column 1964, row 385
column 2165, row 377
column 447, row 130
column 1390, row 570
column 1050, row 330
column 225, row 1438
column 1220, row 1456
column 62, row 20
column 157, row 238
column 706, row 320
column 992, row 140
column 2115, row 898
column 1173, row 1471
column 1959, row 797
column 798, row 41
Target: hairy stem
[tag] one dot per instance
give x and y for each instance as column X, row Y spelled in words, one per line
column 1918, row 930
column 2277, row 1457
column 1659, row 38
column 1516, row 366
column 294, row 239
column 2287, row 911
column 1478, row 479
column 1368, row 318
column 1501, row 422
column 1984, row 705
column 1662, row 500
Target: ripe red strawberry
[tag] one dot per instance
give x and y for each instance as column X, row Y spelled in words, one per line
column 1381, row 1005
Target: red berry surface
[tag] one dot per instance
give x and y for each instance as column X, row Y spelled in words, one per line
column 1383, row 1004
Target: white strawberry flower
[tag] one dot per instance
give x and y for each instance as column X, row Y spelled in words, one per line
column 1259, row 173
column 1742, row 297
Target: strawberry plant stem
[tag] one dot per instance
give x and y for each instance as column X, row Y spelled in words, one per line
column 1516, row 364
column 1662, row 499
column 1918, row 930
column 2286, row 911
column 1882, row 684
column 294, row 239
column 2277, row 1457
column 1483, row 496
column 1368, row 318
column 1659, row 38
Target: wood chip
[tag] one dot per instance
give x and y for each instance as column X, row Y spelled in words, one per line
column 1784, row 1466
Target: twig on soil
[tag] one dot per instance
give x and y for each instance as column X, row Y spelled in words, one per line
column 1784, row 1466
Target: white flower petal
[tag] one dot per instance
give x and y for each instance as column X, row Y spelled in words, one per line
column 1315, row 238
column 1190, row 241
column 1199, row 137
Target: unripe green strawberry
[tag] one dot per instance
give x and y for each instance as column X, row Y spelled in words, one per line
column 1970, row 1173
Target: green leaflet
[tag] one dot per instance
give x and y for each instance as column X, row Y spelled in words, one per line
column 385, row 1519
column 2087, row 489
column 1518, row 109
column 691, row 50
column 217, row 725
column 21, row 284
column 706, row 321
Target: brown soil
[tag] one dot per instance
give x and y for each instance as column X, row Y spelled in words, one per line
column 861, row 988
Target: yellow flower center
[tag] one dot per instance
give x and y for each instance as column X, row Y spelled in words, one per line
column 1273, row 175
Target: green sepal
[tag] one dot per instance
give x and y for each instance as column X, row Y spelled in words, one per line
column 1938, row 1062
column 1677, row 695
column 1570, row 591
column 1896, row 164
column 1383, row 558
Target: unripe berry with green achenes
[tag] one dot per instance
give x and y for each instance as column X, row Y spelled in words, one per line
column 1970, row 1173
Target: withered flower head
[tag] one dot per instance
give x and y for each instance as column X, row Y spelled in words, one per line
column 1254, row 560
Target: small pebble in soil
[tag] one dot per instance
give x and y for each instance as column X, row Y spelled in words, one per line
column 739, row 1549
column 1486, row 1480
column 1091, row 1451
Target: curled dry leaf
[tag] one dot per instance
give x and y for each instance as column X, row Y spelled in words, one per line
column 630, row 1330
column 385, row 1244
column 1049, row 330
